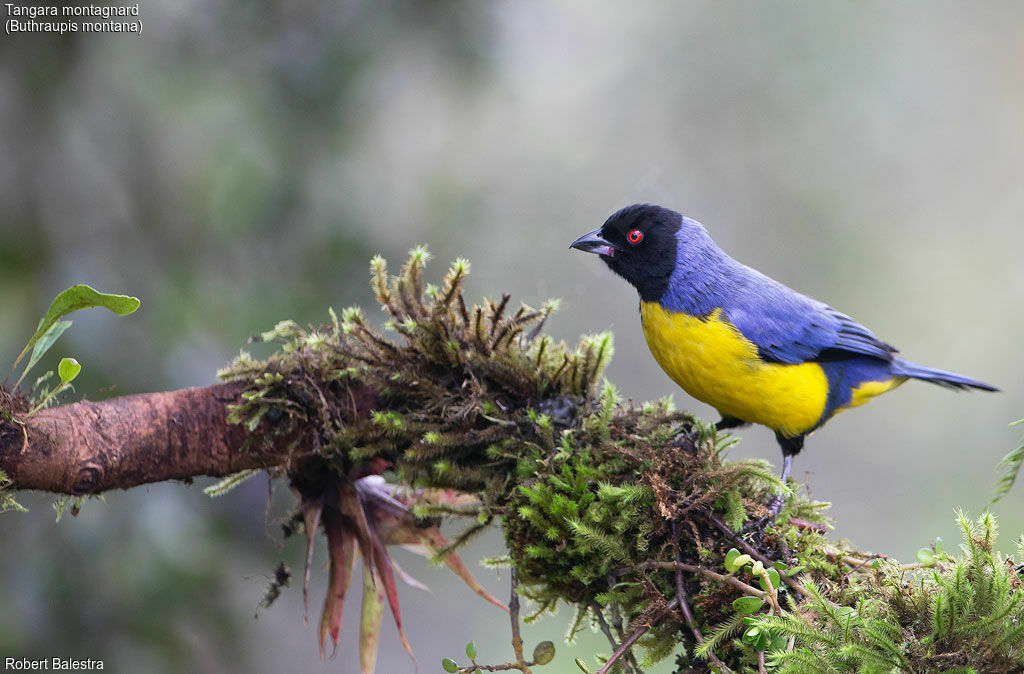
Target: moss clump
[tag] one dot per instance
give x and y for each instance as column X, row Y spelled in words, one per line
column 626, row 513
column 962, row 613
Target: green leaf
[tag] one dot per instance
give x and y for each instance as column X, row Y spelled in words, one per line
column 926, row 556
column 734, row 560
column 756, row 637
column 773, row 576
column 544, row 653
column 370, row 619
column 230, row 482
column 74, row 298
column 739, row 562
column 449, row 665
column 471, row 650
column 1009, row 467
column 68, row 370
column 46, row 341
column 747, row 605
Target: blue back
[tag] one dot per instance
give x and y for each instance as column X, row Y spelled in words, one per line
column 786, row 326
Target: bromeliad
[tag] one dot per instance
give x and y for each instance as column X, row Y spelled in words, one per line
column 362, row 517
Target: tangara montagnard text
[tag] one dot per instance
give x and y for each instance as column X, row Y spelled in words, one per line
column 752, row 348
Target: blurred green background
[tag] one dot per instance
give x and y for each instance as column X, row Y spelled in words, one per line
column 238, row 163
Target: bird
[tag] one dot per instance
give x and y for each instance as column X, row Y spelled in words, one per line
column 754, row 349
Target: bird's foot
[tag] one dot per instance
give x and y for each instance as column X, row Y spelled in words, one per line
column 684, row 439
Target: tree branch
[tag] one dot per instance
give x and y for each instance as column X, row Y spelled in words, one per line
column 89, row 447
column 475, row 401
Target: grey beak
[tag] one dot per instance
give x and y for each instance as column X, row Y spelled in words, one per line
column 592, row 242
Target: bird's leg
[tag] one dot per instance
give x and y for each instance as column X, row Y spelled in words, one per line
column 787, row 465
column 790, row 448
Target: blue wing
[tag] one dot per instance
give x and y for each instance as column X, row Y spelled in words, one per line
column 788, row 327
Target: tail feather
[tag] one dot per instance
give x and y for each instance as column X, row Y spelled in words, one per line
column 952, row 380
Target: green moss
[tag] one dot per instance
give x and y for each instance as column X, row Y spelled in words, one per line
column 598, row 499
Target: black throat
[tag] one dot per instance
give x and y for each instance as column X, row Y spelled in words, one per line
column 650, row 286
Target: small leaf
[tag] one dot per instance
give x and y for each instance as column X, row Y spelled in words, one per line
column 544, row 653
column 370, row 619
column 74, row 298
column 730, row 559
column 939, row 549
column 926, row 556
column 747, row 605
column 382, row 561
column 433, row 540
column 738, row 562
column 449, row 665
column 1009, row 467
column 46, row 340
column 68, row 369
column 471, row 650
column 757, row 638
column 780, row 565
column 230, row 482
column 312, row 510
column 341, row 549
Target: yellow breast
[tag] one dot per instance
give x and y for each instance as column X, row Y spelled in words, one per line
column 713, row 362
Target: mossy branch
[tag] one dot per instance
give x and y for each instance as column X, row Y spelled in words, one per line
column 629, row 514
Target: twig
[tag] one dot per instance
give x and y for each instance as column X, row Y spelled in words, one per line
column 855, row 564
column 810, row 526
column 683, row 566
column 517, row 639
column 613, row 608
column 616, row 618
column 916, row 565
column 772, row 593
column 596, row 608
column 469, row 669
column 750, row 550
column 685, row 606
column 633, row 638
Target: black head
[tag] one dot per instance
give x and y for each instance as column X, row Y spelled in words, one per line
column 639, row 244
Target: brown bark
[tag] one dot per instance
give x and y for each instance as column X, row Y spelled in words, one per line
column 89, row 447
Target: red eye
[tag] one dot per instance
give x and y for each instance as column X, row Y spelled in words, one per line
column 635, row 236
